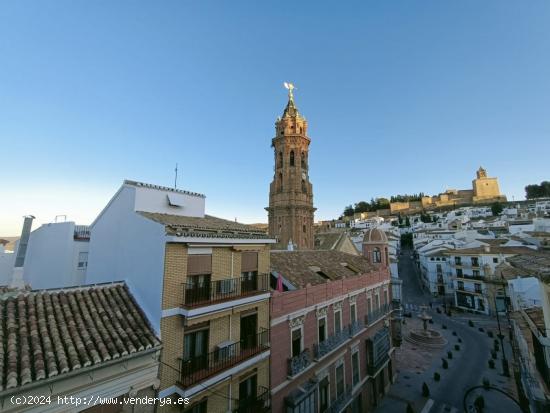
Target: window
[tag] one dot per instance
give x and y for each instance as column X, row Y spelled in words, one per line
column 495, row 260
column 303, row 157
column 369, row 305
column 305, row 405
column 377, row 301
column 247, row 393
column 458, row 261
column 386, row 300
column 280, row 163
column 340, row 384
column 477, row 288
column 304, row 189
column 476, row 273
column 304, row 228
column 353, row 312
column 195, row 349
column 291, row 158
column 280, row 182
column 461, row 285
column 324, row 395
column 337, row 321
column 355, row 368
column 296, row 341
column 376, row 257
column 475, row 261
column 82, row 260
column 322, row 327
column 459, row 272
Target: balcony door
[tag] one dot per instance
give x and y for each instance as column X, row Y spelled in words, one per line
column 248, row 394
column 249, row 330
column 195, row 351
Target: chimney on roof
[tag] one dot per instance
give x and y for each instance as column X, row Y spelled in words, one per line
column 487, row 248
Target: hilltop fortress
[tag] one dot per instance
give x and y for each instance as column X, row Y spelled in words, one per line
column 484, row 190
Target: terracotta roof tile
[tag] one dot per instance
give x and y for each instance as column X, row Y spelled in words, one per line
column 48, row 333
column 208, row 226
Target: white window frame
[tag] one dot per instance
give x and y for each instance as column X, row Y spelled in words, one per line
column 336, row 365
column 326, row 327
column 355, row 351
column 340, row 316
column 301, row 328
column 321, row 378
column 352, row 310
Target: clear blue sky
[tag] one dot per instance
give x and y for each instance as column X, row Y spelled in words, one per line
column 401, row 97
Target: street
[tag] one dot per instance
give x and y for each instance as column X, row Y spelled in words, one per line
column 467, row 368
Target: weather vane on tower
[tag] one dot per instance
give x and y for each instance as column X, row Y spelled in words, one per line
column 290, row 87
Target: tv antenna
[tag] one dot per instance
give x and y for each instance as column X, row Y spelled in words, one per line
column 176, row 177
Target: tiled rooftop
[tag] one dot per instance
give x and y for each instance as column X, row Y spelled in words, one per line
column 533, row 263
column 303, row 267
column 48, row 333
column 209, row 226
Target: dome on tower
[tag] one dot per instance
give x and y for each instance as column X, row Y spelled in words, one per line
column 375, row 236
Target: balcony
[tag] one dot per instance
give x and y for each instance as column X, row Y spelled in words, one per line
column 335, row 340
column 337, row 405
column 375, row 315
column 81, row 233
column 299, row 363
column 377, row 349
column 198, row 368
column 471, row 277
column 196, row 295
column 258, row 404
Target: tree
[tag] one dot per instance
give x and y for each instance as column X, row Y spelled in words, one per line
column 348, row 211
column 407, row 222
column 496, row 208
column 362, row 206
column 425, row 390
column 538, row 191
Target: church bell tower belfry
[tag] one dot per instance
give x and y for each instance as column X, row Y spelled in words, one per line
column 290, row 211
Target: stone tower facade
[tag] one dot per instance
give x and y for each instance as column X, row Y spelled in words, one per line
column 486, row 189
column 290, row 211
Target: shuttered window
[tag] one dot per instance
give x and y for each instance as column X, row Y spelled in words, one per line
column 249, row 261
column 199, row 264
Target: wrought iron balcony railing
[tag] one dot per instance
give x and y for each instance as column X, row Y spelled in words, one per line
column 333, row 341
column 340, row 402
column 355, row 327
column 197, row 368
column 81, row 232
column 298, row 363
column 256, row 404
column 200, row 294
column 377, row 314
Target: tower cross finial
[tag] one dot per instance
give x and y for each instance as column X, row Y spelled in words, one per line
column 290, row 87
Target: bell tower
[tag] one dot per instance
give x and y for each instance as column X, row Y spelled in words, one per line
column 290, row 211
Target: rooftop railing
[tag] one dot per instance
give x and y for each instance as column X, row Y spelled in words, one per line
column 197, row 368
column 200, row 294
